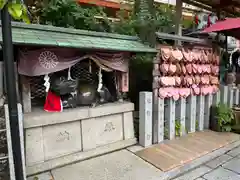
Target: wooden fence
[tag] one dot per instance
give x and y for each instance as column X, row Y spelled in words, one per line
column 166, row 118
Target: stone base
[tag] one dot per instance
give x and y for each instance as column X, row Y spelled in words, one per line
column 56, row 139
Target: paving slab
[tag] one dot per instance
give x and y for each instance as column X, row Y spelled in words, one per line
column 221, row 174
column 195, row 173
column 234, row 152
column 121, row 165
column 219, row 161
column 233, row 165
column 200, row 179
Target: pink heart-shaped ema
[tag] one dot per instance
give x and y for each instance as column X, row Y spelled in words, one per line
column 172, row 68
column 177, row 55
column 162, row 93
column 199, row 69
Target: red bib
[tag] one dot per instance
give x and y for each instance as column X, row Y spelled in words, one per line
column 53, row 103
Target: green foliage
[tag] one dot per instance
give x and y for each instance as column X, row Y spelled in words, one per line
column 178, row 128
column 163, row 21
column 2, row 3
column 196, row 125
column 65, row 13
column 16, row 9
column 165, row 133
column 225, row 117
column 146, row 21
column 36, row 9
column 125, row 25
column 188, row 23
column 152, row 17
column 164, row 17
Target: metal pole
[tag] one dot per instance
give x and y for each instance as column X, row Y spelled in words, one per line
column 8, row 59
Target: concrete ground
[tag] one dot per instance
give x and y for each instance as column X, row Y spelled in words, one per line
column 125, row 165
column 224, row 167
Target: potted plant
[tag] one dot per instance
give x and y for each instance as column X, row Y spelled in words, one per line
column 236, row 112
column 221, row 118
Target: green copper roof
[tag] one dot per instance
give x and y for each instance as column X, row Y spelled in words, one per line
column 43, row 35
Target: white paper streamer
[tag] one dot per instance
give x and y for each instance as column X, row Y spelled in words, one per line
column 46, row 83
column 100, row 80
column 69, row 74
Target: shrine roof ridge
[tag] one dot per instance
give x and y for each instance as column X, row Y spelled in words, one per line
column 50, row 28
column 46, row 35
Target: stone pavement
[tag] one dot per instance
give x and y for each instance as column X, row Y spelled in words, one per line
column 125, row 165
column 224, row 167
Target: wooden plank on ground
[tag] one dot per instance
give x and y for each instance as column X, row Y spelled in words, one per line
column 157, row 159
column 177, row 152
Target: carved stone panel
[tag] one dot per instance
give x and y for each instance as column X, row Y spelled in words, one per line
column 128, row 125
column 34, row 146
column 102, row 130
column 62, row 139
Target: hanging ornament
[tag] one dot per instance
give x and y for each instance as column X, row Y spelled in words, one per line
column 90, row 66
column 69, row 74
column 99, row 80
column 116, row 82
column 46, row 83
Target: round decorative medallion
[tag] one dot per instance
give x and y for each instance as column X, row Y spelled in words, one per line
column 48, row 60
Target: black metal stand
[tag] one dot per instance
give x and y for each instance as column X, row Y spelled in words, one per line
column 11, row 92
